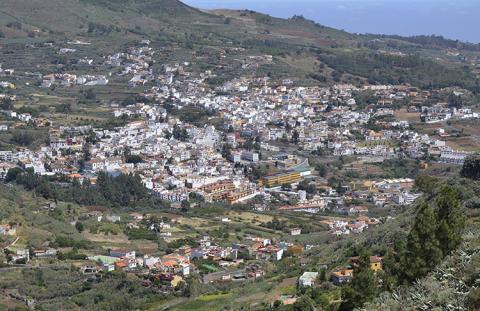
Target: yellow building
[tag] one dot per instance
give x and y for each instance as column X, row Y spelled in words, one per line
column 375, row 262
column 281, row 178
column 236, row 196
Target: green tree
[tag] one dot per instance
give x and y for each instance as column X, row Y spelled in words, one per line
column 179, row 133
column 6, row 104
column 277, row 304
column 320, row 297
column 363, row 287
column 185, row 205
column 423, row 250
column 305, row 185
column 455, row 101
column 79, row 226
column 12, row 174
column 321, row 169
column 295, row 137
column 363, row 99
column 90, row 94
column 473, row 299
column 22, row 138
column 471, row 167
column 391, row 265
column 450, row 220
column 322, row 277
column 286, row 187
column 63, row 108
column 426, row 183
column 304, row 304
column 133, row 159
column 226, row 151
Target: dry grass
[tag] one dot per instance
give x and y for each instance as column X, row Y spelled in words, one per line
column 404, row 115
column 119, row 238
column 303, row 62
column 194, row 222
column 249, row 217
column 287, row 286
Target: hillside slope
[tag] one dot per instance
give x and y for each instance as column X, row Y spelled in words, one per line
column 73, row 16
column 333, row 55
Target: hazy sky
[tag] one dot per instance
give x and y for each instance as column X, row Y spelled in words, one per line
column 456, row 19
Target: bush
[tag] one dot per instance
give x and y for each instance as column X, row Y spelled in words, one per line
column 140, row 234
column 16, row 25
column 90, row 94
column 6, row 103
column 473, row 299
column 22, row 138
column 72, row 255
column 63, row 108
column 63, row 241
column 12, row 174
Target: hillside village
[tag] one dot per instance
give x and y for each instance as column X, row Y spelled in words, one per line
column 156, row 174
column 176, row 158
column 253, row 149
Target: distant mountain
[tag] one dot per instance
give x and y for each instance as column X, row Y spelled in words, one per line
column 341, row 56
column 73, row 16
column 147, row 7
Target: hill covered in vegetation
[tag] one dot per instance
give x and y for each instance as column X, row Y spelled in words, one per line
column 332, row 55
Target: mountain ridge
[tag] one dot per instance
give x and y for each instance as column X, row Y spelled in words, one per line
column 111, row 23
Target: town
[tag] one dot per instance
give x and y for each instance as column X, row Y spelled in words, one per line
column 191, row 176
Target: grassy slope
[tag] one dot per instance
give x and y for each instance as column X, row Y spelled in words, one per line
column 71, row 17
column 173, row 22
column 453, row 283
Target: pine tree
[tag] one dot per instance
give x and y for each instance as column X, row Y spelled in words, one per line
column 363, row 287
column 450, row 220
column 423, row 250
column 471, row 167
column 392, row 269
column 304, row 303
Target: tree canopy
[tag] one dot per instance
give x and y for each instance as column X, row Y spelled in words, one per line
column 364, row 285
column 471, row 167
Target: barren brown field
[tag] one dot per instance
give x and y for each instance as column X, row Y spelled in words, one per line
column 404, row 115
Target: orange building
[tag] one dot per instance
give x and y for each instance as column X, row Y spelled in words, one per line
column 218, row 191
